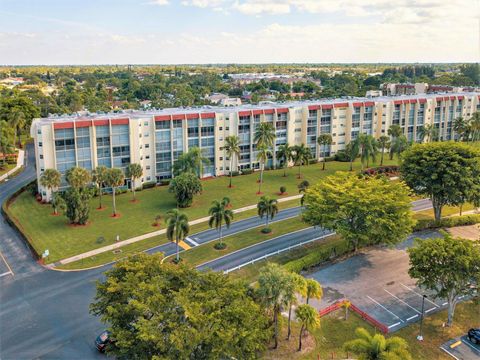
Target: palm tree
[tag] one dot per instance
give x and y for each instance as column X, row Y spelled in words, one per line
column 314, row 290
column 384, row 142
column 218, row 215
column 429, row 132
column 267, row 207
column 264, row 134
column 114, row 178
column 398, row 146
column 324, row 140
column 99, row 176
column 284, row 154
column 376, row 347
column 51, row 179
column 475, row 126
column 78, row 177
column 232, row 149
column 262, row 156
column 6, row 140
column 301, row 155
column 460, row 126
column 191, row 161
column 296, row 284
column 351, row 151
column 368, row 148
column 17, row 122
column 395, row 131
column 309, row 318
column 134, row 171
column 177, row 228
column 198, row 159
column 302, row 188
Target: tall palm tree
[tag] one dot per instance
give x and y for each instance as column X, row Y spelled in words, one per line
column 219, row 214
column 264, row 134
column 395, row 131
column 78, row 177
column 475, row 126
column 284, row 154
column 262, row 155
column 17, row 121
column 314, row 290
column 428, row 131
column 296, row 284
column 301, row 155
column 368, row 148
column 324, row 140
column 51, row 179
column 267, row 207
column 352, row 150
column 99, row 176
column 232, row 150
column 384, row 143
column 399, row 145
column 309, row 318
column 6, row 140
column 134, row 172
column 198, row 159
column 114, row 178
column 177, row 228
column 376, row 347
column 460, row 126
column 302, row 188
column 191, row 161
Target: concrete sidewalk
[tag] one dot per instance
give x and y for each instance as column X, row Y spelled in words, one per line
column 20, row 160
column 150, row 235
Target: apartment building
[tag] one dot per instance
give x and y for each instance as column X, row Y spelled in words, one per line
column 156, row 138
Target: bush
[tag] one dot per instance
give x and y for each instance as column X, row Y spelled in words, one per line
column 330, row 159
column 391, row 170
column 165, row 182
column 341, row 156
column 283, row 189
column 219, row 246
column 235, row 173
column 312, row 161
column 148, row 184
column 266, row 230
column 319, row 256
column 247, row 172
column 425, row 224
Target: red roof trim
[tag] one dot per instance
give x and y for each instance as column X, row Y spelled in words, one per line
column 63, row 125
column 369, row 103
column 422, row 101
column 268, row 111
column 439, row 98
column 244, row 113
column 357, row 104
column 413, row 101
column 83, row 123
column 339, row 105
column 461, row 97
column 123, row 121
column 178, row 117
column 192, row 116
column 163, row 117
column 282, row 111
column 313, row 107
column 257, row 112
column 208, row 115
column 327, row 106
column 100, row 122
column 452, row 97
column 397, row 102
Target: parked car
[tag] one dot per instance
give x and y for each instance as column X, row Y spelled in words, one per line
column 474, row 336
column 103, row 340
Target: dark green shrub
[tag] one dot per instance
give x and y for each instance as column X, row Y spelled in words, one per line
column 341, row 155
column 235, row 173
column 247, row 172
column 266, row 230
column 220, row 246
column 148, row 184
column 425, row 224
column 283, row 189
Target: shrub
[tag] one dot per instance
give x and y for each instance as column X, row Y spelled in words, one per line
column 148, row 185
column 391, row 170
column 235, row 173
column 220, row 246
column 425, row 224
column 312, row 161
column 165, row 182
column 266, row 230
column 341, row 156
column 330, row 159
column 283, row 189
column 247, row 172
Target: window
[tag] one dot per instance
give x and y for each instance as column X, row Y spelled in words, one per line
column 147, row 157
column 147, row 146
column 148, row 167
column 41, row 156
column 145, row 123
column 40, row 144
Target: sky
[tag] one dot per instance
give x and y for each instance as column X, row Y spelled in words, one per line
column 237, row 31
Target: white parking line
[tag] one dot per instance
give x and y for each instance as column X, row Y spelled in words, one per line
column 449, row 353
column 431, row 309
column 412, row 317
column 6, row 273
column 470, row 345
column 10, row 271
column 445, row 303
column 384, row 308
column 393, row 325
column 403, row 302
column 408, row 288
column 194, row 243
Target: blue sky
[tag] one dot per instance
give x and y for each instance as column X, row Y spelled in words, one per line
column 218, row 31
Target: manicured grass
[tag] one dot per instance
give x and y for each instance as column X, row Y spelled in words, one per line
column 109, row 256
column 206, row 252
column 6, row 168
column 446, row 211
column 54, row 233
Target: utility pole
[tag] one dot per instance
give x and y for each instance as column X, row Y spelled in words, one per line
column 420, row 335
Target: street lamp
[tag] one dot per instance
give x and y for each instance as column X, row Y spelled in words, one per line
column 420, row 336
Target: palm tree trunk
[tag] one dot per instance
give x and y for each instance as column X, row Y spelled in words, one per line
column 461, row 208
column 114, row 205
column 231, row 165
column 177, row 257
column 300, row 338
column 299, row 169
column 324, row 161
column 100, row 196
column 133, row 189
column 351, row 164
column 275, row 321
column 381, row 159
column 261, row 179
column 289, row 321
column 221, row 242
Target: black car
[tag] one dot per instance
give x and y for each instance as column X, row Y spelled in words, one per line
column 102, row 340
column 474, row 336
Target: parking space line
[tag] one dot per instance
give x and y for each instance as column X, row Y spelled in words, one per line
column 445, row 303
column 412, row 317
column 449, row 353
column 393, row 325
column 6, row 273
column 403, row 302
column 427, row 299
column 470, row 345
column 10, row 271
column 431, row 309
column 384, row 308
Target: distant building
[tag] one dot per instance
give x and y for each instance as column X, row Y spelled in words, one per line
column 224, row 100
column 422, row 88
column 373, row 93
column 10, row 82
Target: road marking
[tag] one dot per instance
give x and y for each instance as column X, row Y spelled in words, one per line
column 184, row 245
column 445, row 303
column 449, row 353
column 470, row 345
column 10, row 271
column 426, row 312
column 393, row 325
column 384, row 308
column 403, row 302
column 427, row 299
column 5, row 274
column 412, row 317
column 191, row 241
column 455, row 344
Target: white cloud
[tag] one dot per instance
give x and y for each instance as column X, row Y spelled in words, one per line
column 159, row 2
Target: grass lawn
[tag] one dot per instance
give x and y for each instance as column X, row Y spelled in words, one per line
column 6, row 168
column 446, row 211
column 53, row 232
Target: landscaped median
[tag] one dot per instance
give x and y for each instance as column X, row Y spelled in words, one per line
column 46, row 231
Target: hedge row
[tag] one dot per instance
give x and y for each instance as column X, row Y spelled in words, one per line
column 425, row 224
column 318, row 256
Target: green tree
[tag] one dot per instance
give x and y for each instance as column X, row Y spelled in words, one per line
column 232, row 150
column 99, row 177
column 177, row 228
column 398, row 146
column 295, row 285
column 284, row 154
column 446, row 172
column 134, row 172
column 267, row 207
column 77, row 204
column 114, row 178
column 58, row 203
column 376, row 347
column 192, row 161
column 51, row 179
column 185, row 186
column 309, row 319
column 384, row 143
column 6, row 140
column 17, row 121
column 262, row 155
column 167, row 311
column 273, row 282
column 314, row 290
column 446, row 266
column 324, row 140
column 362, row 210
column 302, row 188
column 301, row 155
column 219, row 214
column 352, row 150
column 460, row 126
column 368, row 148
column 264, row 134
column 429, row 132
column 78, row 177
column 475, row 126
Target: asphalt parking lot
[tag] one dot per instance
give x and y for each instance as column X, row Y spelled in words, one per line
column 377, row 282
column 5, row 269
column 461, row 349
